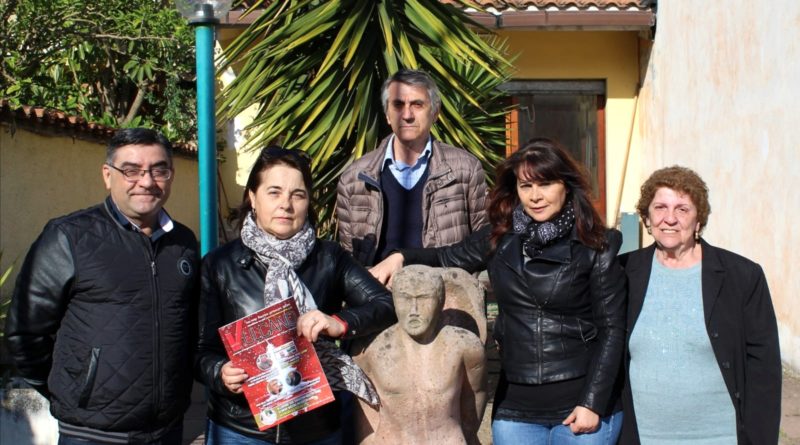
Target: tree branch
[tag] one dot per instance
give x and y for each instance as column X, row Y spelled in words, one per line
column 134, row 39
column 135, row 106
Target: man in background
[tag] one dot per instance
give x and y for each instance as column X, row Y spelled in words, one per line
column 412, row 191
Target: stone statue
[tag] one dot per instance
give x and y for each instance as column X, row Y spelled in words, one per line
column 431, row 376
column 464, row 301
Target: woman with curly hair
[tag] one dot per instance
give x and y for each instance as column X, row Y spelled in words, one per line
column 703, row 358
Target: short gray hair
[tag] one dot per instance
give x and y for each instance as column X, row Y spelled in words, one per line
column 415, row 78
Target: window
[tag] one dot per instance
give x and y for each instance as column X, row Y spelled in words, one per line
column 571, row 112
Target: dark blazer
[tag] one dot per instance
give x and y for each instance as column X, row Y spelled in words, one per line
column 741, row 325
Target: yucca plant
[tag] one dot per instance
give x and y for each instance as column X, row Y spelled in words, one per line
column 314, row 70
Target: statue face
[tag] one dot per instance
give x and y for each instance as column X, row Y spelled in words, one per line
column 417, row 313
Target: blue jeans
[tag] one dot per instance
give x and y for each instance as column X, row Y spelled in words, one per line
column 506, row 432
column 174, row 437
column 220, row 435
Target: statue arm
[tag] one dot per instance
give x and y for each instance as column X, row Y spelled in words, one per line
column 473, row 392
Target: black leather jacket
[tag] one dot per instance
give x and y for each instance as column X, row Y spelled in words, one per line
column 106, row 318
column 233, row 286
column 561, row 314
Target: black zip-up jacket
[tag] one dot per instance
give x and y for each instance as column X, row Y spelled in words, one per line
column 106, row 318
column 233, row 287
column 561, row 314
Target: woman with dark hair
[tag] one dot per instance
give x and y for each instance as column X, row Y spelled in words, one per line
column 278, row 256
column 703, row 362
column 561, row 299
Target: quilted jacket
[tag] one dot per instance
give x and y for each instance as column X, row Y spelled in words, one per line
column 105, row 318
column 454, row 200
column 233, row 287
column 561, row 314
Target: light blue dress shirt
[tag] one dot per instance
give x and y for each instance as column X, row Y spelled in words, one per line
column 406, row 175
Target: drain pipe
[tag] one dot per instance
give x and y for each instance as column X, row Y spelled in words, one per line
column 627, row 155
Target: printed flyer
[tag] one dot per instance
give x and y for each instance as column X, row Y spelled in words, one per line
column 285, row 376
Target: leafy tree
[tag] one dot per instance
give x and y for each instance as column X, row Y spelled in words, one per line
column 117, row 62
column 315, row 68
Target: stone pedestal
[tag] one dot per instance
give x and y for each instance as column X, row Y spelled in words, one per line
column 25, row 418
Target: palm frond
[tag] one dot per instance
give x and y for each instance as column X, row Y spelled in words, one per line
column 314, row 70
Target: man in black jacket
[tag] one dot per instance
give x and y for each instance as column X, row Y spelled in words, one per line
column 102, row 316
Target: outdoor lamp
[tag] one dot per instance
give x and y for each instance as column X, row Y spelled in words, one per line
column 203, row 15
column 203, row 11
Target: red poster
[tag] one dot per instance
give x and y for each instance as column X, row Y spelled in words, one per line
column 286, row 378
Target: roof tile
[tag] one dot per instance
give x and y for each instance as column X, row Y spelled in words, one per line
column 542, row 4
column 58, row 123
column 561, row 4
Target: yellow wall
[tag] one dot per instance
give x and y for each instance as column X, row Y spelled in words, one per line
column 42, row 177
column 578, row 55
column 603, row 55
column 237, row 158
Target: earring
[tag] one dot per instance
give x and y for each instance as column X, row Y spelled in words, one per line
column 697, row 235
column 649, row 230
column 253, row 209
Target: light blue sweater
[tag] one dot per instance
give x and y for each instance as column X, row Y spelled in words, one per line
column 678, row 393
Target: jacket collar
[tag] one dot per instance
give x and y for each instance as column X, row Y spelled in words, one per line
column 165, row 223
column 639, row 265
column 561, row 250
column 510, row 251
column 245, row 257
column 388, row 154
column 439, row 173
column 712, row 276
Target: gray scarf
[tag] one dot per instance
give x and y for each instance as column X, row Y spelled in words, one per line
column 282, row 257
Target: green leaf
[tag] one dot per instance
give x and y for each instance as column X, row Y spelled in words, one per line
column 314, row 70
column 84, row 55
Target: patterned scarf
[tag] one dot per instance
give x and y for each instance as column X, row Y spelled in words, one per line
column 537, row 235
column 282, row 257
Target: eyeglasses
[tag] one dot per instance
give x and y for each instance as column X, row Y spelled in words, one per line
column 300, row 156
column 135, row 174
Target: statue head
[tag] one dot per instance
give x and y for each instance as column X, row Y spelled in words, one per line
column 418, row 293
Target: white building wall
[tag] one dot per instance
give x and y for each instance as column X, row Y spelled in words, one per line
column 722, row 96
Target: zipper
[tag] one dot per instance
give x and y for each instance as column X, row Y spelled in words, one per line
column 374, row 252
column 150, row 250
column 540, row 349
column 426, row 204
column 434, row 184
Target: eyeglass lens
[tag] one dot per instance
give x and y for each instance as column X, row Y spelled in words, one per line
column 134, row 174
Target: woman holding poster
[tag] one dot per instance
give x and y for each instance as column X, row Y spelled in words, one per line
column 278, row 258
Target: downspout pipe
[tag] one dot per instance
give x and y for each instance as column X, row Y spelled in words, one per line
column 625, row 159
